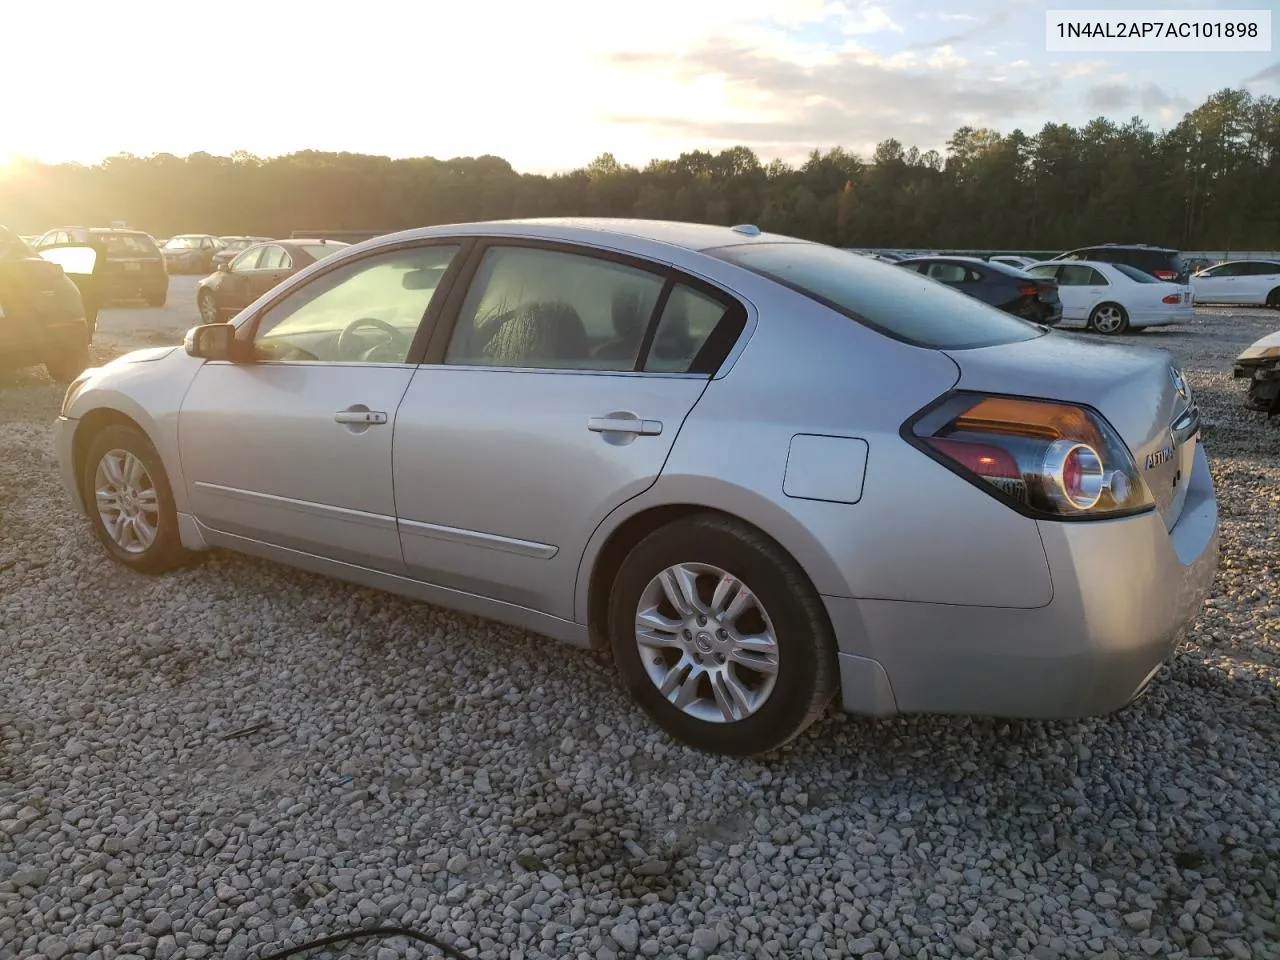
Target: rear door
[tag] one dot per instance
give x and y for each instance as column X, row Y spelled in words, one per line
column 1081, row 288
column 554, row 396
column 1261, row 277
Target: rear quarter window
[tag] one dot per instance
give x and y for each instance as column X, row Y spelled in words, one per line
column 891, row 300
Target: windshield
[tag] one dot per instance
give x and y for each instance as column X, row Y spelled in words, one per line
column 126, row 244
column 899, row 303
column 1133, row 273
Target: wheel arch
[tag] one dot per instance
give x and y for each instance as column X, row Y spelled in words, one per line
column 89, row 426
column 631, row 522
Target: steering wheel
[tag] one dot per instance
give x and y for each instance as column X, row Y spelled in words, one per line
column 350, row 347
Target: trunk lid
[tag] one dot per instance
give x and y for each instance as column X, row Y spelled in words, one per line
column 1137, row 389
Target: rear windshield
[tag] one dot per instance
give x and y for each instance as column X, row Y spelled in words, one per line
column 127, row 244
column 899, row 303
column 1133, row 273
column 183, row 243
column 322, row 250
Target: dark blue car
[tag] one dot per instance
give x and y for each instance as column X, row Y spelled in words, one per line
column 1010, row 289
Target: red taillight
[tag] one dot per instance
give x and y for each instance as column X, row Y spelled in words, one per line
column 1030, row 290
column 1172, row 298
column 980, row 458
column 1166, row 274
column 1051, row 459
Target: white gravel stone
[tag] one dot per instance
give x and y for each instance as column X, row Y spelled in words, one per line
column 481, row 784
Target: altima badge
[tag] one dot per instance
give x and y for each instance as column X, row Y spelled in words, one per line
column 1159, row 457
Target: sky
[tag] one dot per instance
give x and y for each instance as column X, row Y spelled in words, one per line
column 551, row 85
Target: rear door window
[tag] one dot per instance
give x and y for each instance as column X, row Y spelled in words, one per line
column 887, row 299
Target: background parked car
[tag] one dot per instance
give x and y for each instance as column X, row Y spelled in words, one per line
column 1239, row 281
column 1114, row 297
column 255, row 271
column 1008, row 288
column 190, row 252
column 1163, row 263
column 1011, row 260
column 42, row 315
column 134, row 268
column 231, row 246
column 1260, row 364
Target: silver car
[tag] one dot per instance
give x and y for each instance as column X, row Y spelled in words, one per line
column 761, row 471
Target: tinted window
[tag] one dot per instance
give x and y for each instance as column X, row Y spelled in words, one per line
column 1263, row 268
column 1133, row 273
column 687, row 322
column 367, row 311
column 948, row 272
column 127, row 244
column 888, row 299
column 1077, row 275
column 544, row 308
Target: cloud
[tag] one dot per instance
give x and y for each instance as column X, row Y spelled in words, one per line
column 1149, row 97
column 945, row 58
column 964, row 36
column 1108, row 96
column 1271, row 73
column 801, row 105
column 1085, row 68
column 870, row 20
column 960, row 17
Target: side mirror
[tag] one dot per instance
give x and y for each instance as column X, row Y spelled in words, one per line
column 211, row 341
column 223, row 267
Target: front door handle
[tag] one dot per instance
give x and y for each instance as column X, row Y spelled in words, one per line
column 360, row 416
column 643, row 428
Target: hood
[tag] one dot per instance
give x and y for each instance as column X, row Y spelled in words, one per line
column 1266, row 347
column 141, row 356
column 1139, row 390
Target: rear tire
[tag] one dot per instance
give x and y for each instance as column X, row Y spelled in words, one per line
column 133, row 481
column 155, row 299
column 769, row 616
column 69, row 362
column 1273, row 299
column 1110, row 319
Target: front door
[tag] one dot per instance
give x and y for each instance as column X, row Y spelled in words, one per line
column 561, row 390
column 294, row 448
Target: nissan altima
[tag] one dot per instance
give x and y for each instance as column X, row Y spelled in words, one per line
column 762, row 472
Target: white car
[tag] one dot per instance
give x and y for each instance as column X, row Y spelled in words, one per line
column 1009, row 260
column 1114, row 297
column 1239, row 281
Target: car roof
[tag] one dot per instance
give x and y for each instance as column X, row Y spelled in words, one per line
column 690, row 236
column 192, row 236
column 1125, row 246
column 126, row 231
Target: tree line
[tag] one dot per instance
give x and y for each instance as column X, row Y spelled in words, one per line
column 1211, row 181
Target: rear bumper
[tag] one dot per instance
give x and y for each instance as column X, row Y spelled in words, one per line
column 1124, row 592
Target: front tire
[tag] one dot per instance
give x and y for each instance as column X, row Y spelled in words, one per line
column 130, row 502
column 720, row 637
column 1109, row 319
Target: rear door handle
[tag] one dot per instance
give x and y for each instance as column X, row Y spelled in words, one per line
column 360, row 416
column 644, row 428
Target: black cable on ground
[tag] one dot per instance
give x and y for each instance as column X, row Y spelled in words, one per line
column 453, row 952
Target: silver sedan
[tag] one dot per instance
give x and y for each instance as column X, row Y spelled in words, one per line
column 763, row 472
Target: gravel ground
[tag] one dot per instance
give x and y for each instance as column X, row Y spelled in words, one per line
column 426, row 769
